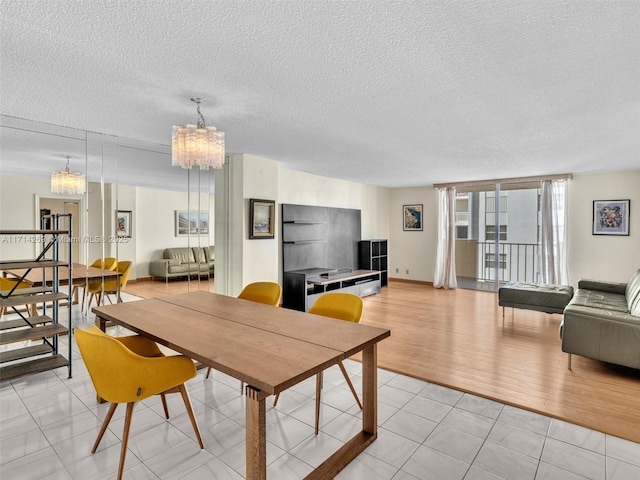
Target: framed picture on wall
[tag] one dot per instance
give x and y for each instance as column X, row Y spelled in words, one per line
column 192, row 223
column 124, row 223
column 412, row 217
column 611, row 217
column 262, row 215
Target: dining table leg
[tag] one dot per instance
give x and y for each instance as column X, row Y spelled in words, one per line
column 256, row 451
column 370, row 390
column 350, row 450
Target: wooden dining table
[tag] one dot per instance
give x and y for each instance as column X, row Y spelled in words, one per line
column 80, row 275
column 269, row 349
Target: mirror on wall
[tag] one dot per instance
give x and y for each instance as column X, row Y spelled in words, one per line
column 133, row 192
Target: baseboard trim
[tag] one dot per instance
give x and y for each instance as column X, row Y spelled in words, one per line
column 140, row 279
column 406, row 280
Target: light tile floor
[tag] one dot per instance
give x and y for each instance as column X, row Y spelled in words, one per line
column 48, row 424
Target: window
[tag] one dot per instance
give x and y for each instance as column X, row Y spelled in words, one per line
column 490, row 233
column 504, row 201
column 490, row 260
column 462, row 232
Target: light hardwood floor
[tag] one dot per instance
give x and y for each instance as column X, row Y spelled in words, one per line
column 457, row 338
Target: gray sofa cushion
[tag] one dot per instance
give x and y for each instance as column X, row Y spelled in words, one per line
column 198, row 255
column 183, row 255
column 600, row 300
column 189, row 268
column 532, row 296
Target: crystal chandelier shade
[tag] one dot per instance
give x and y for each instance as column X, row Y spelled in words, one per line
column 68, row 182
column 197, row 145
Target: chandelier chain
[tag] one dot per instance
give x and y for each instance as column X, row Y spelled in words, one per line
column 201, row 122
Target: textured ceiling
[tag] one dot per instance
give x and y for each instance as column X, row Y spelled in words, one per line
column 390, row 93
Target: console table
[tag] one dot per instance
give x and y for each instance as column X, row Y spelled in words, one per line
column 301, row 288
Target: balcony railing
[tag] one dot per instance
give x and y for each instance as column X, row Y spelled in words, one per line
column 517, row 262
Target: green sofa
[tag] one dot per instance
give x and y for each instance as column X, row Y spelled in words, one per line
column 182, row 262
column 602, row 321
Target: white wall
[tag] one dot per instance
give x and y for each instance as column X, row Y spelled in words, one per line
column 123, row 197
column 413, row 251
column 154, row 224
column 260, row 256
column 18, row 212
column 308, row 189
column 603, row 257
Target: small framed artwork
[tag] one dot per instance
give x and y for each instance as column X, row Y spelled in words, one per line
column 192, row 223
column 611, row 217
column 412, row 218
column 262, row 215
column 123, row 223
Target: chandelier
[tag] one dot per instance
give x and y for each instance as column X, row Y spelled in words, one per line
column 197, row 145
column 68, row 182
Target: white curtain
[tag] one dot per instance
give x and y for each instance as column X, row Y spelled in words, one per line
column 553, row 233
column 445, row 274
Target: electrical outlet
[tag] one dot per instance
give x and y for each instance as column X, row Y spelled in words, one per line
column 407, row 271
column 397, row 270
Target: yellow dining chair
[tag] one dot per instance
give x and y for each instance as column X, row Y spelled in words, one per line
column 8, row 284
column 259, row 292
column 341, row 306
column 110, row 287
column 108, row 263
column 128, row 370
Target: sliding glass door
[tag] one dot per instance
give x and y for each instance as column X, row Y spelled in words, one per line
column 497, row 234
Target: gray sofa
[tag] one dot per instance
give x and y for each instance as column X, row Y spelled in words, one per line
column 602, row 321
column 184, row 261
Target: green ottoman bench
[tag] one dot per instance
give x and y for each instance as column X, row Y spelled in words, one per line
column 531, row 296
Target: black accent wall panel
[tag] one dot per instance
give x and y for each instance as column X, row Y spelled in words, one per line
column 322, row 237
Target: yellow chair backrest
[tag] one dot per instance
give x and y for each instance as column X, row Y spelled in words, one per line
column 120, row 375
column 8, row 283
column 108, row 263
column 124, row 268
column 262, row 292
column 343, row 306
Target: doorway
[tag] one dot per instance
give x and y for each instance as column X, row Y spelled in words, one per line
column 64, row 206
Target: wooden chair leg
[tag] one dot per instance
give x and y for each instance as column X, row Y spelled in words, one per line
column 91, row 296
column 125, row 438
column 164, row 405
column 353, row 390
column 318, row 393
column 105, row 424
column 192, row 417
column 208, row 373
column 275, row 400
